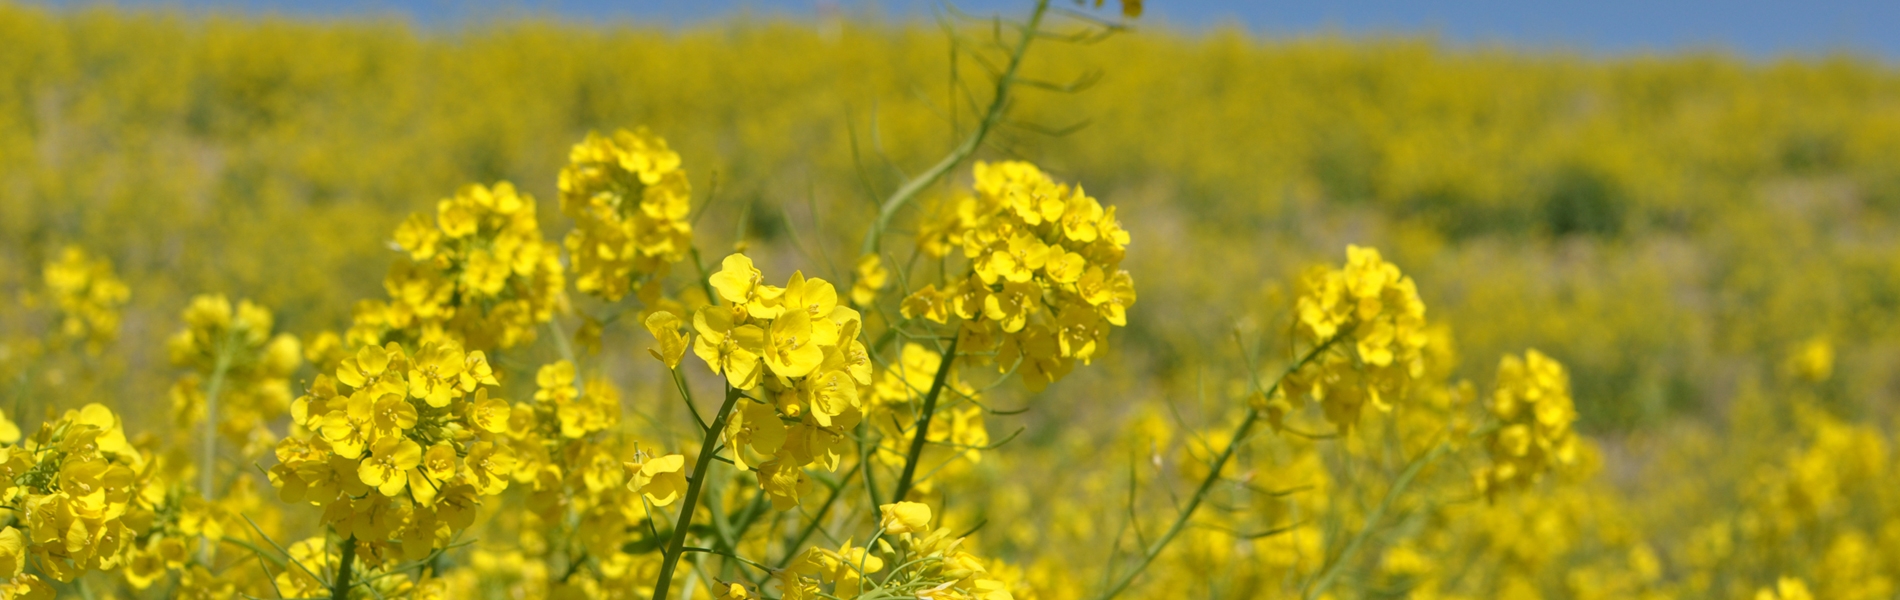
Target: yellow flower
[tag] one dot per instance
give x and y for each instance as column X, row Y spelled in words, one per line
column 393, row 414
column 1012, row 306
column 477, row 371
column 369, row 367
column 790, row 350
column 904, row 517
column 728, row 347
column 457, row 220
column 144, row 569
column 665, row 327
column 755, row 425
column 387, row 467
column 9, row 432
column 819, row 300
column 12, row 552
column 1017, row 262
column 742, row 285
column 1788, row 588
column 1812, row 361
column 783, row 482
column 489, row 467
column 927, row 303
column 434, row 472
column 660, row 479
column 830, row 395
column 1065, row 267
column 417, row 236
column 348, row 430
column 1080, row 216
column 846, row 567
column 435, row 374
column 872, row 277
column 490, row 414
column 734, row 591
column 1533, row 405
column 599, row 470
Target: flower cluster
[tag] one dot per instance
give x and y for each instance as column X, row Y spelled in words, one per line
column 398, row 448
column 573, row 459
column 1365, row 325
column 72, row 491
column 88, row 296
column 180, row 527
column 799, row 349
column 479, row 275
column 1044, row 283
column 1533, row 407
column 233, row 347
column 629, row 201
column 587, row 489
column 931, row 562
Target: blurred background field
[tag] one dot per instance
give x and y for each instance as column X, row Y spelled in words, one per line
column 1694, row 235
column 1671, row 227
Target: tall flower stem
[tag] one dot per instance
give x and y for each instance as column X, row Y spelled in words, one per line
column 340, row 589
column 671, row 557
column 1247, row 424
column 992, row 116
column 920, row 431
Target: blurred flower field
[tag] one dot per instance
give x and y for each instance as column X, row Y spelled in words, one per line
column 1050, row 305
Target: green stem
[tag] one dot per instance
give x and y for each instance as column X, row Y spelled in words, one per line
column 206, row 479
column 922, row 428
column 207, row 476
column 340, row 589
column 671, row 558
column 1213, row 475
column 1332, row 571
column 992, row 116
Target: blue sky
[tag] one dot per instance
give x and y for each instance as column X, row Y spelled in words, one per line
column 1756, row 27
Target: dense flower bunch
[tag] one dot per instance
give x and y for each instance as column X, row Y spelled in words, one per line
column 398, row 448
column 71, row 491
column 1365, row 325
column 232, row 348
column 479, row 275
column 1534, row 411
column 799, row 349
column 629, row 200
column 1817, row 480
column 928, row 562
column 1044, row 283
column 88, row 296
column 587, row 486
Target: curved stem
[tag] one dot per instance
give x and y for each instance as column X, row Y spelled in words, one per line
column 993, row 115
column 920, row 431
column 671, row 558
column 1213, row 475
column 1372, row 520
